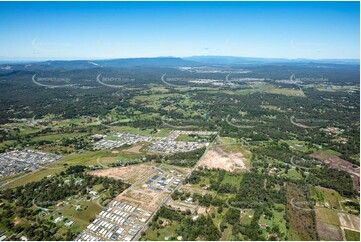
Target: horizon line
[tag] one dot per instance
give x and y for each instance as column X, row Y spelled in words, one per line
column 22, row 59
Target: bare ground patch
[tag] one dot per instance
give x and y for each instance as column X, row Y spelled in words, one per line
column 329, row 232
column 349, row 221
column 147, row 199
column 137, row 193
column 129, row 174
column 134, row 149
column 229, row 161
column 202, row 210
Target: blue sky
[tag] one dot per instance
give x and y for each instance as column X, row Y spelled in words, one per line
column 83, row 30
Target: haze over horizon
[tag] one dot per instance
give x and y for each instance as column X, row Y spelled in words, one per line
column 109, row 30
column 27, row 60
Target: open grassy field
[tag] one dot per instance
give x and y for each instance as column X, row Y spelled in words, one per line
column 246, row 216
column 81, row 218
column 273, row 89
column 326, row 197
column 31, row 177
column 155, row 89
column 286, row 92
column 160, row 133
column 237, row 148
column 277, row 219
column 162, row 232
column 227, row 233
column 186, row 137
column 352, row 235
column 24, row 128
column 336, row 88
column 79, row 121
column 8, row 178
column 54, row 137
column 292, row 174
column 331, row 152
column 262, row 87
column 169, row 168
column 7, row 143
column 328, row 216
column 234, row 180
column 86, row 158
column 228, row 140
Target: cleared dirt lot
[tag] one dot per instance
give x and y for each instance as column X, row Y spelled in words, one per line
column 137, row 175
column 349, row 221
column 229, row 161
column 134, row 149
column 147, row 199
column 129, row 174
column 202, row 210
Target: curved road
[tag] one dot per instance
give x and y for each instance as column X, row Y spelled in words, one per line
column 177, row 127
column 50, row 86
column 108, row 85
column 238, row 126
column 301, row 125
column 169, row 84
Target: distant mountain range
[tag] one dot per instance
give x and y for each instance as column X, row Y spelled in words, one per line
column 163, row 62
column 111, row 63
column 256, row 60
